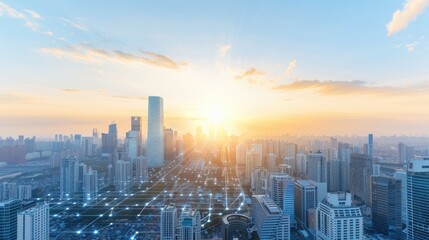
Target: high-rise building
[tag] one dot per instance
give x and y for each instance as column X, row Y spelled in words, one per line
column 253, row 160
column 282, row 193
column 301, row 164
column 123, row 175
column 169, row 144
column 402, row 175
column 240, row 154
column 270, row 221
column 168, row 222
column 8, row 191
column 370, row 146
column 305, row 196
column 334, row 175
column 189, row 226
column 141, row 170
column 155, row 132
column 360, row 173
column 417, row 199
column 405, row 152
column 336, row 218
column 133, row 144
column 8, row 218
column 258, row 182
column 272, row 162
column 90, row 184
column 69, row 176
column 344, row 155
column 136, row 125
column 235, row 226
column 33, row 223
column 386, row 206
column 24, row 192
column 317, row 169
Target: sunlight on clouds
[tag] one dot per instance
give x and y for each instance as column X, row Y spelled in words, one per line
column 402, row 18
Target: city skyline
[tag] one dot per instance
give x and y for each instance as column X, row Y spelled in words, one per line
column 258, row 68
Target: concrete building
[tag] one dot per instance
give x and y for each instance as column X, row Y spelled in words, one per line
column 168, row 222
column 305, row 196
column 189, row 226
column 69, row 176
column 270, row 221
column 33, row 223
column 360, row 173
column 336, row 218
column 282, row 193
column 235, row 226
column 123, row 176
column 8, row 218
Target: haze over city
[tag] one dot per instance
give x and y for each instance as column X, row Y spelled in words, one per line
column 264, row 68
column 214, row 120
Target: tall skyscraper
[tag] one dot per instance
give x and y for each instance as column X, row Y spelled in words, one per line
column 370, row 146
column 301, row 164
column 141, row 170
column 402, row 175
column 136, row 125
column 258, row 181
column 344, row 155
column 305, row 196
column 336, row 218
column 269, row 219
column 282, row 193
column 406, row 153
column 317, row 172
column 155, row 132
column 33, row 223
column 168, row 222
column 69, row 176
column 360, row 173
column 133, row 145
column 169, row 144
column 24, row 192
column 8, row 218
column 90, row 184
column 417, row 199
column 122, row 175
column 386, row 206
column 189, row 226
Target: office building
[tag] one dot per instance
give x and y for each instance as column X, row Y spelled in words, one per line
column 168, row 222
column 282, row 193
column 189, row 226
column 417, row 199
column 258, row 182
column 24, row 192
column 301, row 164
column 33, row 223
column 305, row 196
column 132, row 145
column 8, row 218
column 336, row 218
column 402, row 175
column 155, row 132
column 8, row 191
column 405, row 152
column 236, row 226
column 360, row 173
column 169, row 144
column 90, row 184
column 317, row 172
column 123, row 175
column 136, row 125
column 386, row 206
column 270, row 221
column 69, row 176
column 141, row 170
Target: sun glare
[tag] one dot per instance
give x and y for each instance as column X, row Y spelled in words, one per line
column 216, row 115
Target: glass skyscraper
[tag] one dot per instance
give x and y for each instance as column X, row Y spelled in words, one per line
column 417, row 202
column 155, row 132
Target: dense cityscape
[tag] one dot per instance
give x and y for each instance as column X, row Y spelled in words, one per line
column 214, row 120
column 212, row 185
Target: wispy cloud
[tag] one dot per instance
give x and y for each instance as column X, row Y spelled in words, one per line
column 75, row 25
column 33, row 14
column 402, row 18
column 8, row 11
column 340, row 88
column 103, row 93
column 93, row 55
column 411, row 46
column 251, row 72
column 291, row 67
column 223, row 50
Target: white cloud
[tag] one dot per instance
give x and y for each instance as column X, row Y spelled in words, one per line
column 75, row 25
column 290, row 67
column 409, row 13
column 411, row 46
column 33, row 14
column 224, row 50
column 8, row 11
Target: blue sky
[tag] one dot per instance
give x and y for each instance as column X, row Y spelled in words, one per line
column 86, row 63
